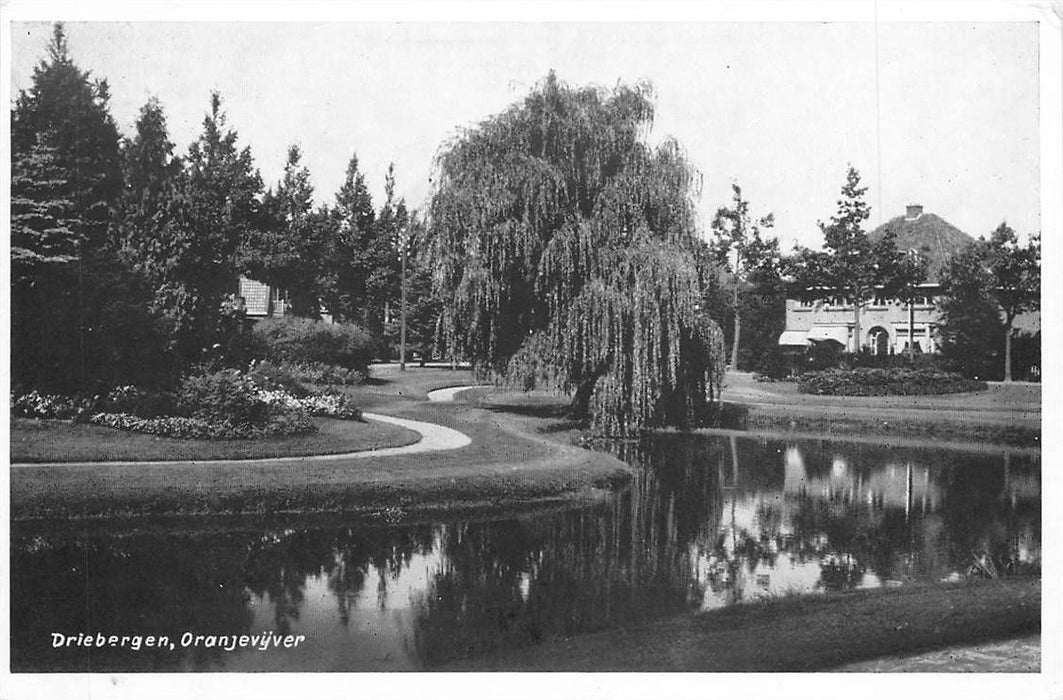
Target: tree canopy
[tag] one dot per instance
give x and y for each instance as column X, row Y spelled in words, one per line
column 565, row 251
column 65, row 182
column 987, row 287
column 740, row 248
column 851, row 265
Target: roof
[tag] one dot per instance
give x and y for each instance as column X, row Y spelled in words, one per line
column 936, row 239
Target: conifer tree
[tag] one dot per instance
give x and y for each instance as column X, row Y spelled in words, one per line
column 287, row 249
column 65, row 183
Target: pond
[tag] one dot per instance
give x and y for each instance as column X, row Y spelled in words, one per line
column 708, row 521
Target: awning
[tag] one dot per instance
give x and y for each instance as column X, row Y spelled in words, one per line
column 839, row 334
column 794, row 338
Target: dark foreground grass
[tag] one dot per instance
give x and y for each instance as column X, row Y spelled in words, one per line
column 796, row 633
column 35, row 441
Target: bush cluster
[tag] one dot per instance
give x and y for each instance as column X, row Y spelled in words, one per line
column 224, row 404
column 302, row 341
column 291, row 376
column 223, row 396
column 864, row 381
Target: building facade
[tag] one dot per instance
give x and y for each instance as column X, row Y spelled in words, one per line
column 887, row 325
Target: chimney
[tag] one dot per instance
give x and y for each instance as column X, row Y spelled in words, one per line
column 914, row 212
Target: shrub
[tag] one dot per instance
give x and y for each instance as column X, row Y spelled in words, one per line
column 900, row 360
column 865, row 381
column 823, row 355
column 138, row 402
column 292, row 376
column 224, row 396
column 305, row 341
column 275, row 377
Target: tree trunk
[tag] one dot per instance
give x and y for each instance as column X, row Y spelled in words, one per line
column 1007, row 351
column 911, row 328
column 734, row 345
column 856, row 326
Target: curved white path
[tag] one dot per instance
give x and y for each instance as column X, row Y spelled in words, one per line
column 450, row 393
column 433, row 438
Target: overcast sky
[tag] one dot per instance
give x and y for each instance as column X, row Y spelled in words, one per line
column 941, row 114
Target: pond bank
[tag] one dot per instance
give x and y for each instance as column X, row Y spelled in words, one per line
column 1002, row 415
column 796, row 634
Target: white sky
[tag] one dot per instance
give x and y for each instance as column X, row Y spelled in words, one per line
column 941, row 114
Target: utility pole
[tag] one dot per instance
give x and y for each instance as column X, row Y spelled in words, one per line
column 402, row 312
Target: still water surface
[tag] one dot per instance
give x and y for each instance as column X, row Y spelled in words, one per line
column 707, row 522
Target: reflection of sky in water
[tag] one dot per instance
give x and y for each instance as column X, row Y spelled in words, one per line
column 712, row 523
column 376, row 634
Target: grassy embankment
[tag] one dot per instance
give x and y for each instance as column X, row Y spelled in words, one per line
column 810, row 633
column 1001, row 415
column 508, row 463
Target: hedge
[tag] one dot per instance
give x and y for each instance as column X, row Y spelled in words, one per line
column 864, row 381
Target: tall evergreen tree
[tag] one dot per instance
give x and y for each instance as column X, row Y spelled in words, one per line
column 288, row 249
column 217, row 209
column 71, row 108
column 351, row 230
column 384, row 256
column 65, row 183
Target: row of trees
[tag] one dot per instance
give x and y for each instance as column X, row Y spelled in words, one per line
column 560, row 248
column 125, row 255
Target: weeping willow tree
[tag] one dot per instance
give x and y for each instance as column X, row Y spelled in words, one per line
column 566, row 255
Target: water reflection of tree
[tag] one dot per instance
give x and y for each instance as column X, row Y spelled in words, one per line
column 279, row 563
column 702, row 516
column 515, row 583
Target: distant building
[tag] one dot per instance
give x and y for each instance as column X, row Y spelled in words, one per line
column 884, row 321
column 261, row 300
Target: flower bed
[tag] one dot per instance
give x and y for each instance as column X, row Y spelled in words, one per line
column 226, row 404
column 38, row 405
column 864, row 381
column 325, row 405
column 196, row 428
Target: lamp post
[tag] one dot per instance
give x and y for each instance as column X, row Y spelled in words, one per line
column 402, row 310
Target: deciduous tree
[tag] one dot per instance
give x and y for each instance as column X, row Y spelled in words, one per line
column 742, row 250
column 565, row 252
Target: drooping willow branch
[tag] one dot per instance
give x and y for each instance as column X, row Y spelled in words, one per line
column 566, row 251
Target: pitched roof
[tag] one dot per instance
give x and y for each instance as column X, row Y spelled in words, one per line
column 934, row 238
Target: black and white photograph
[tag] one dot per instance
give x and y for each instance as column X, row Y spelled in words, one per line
column 584, row 351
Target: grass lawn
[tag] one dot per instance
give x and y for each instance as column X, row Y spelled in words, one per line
column 807, row 633
column 62, row 441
